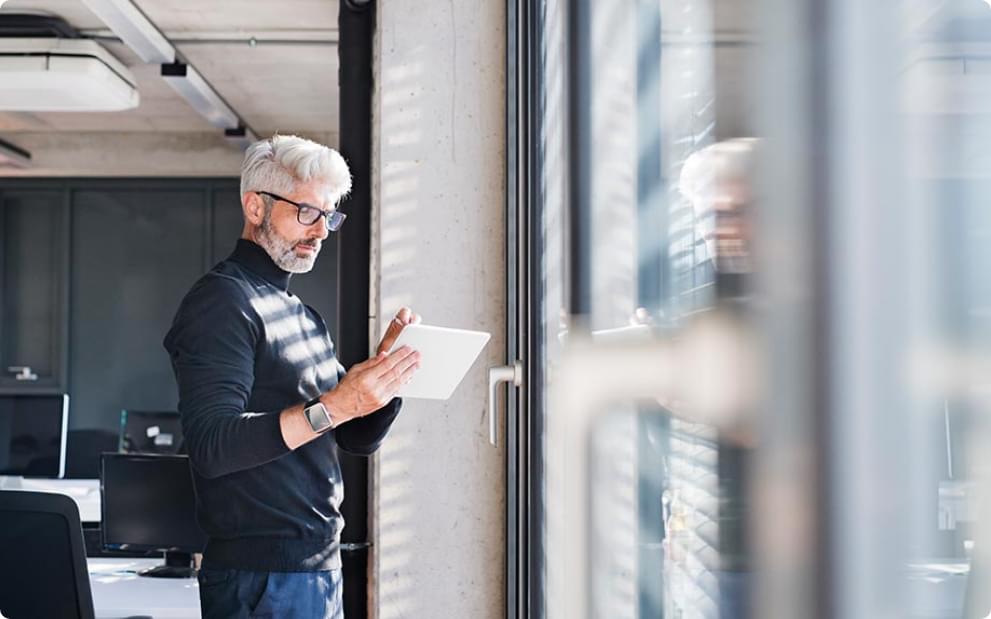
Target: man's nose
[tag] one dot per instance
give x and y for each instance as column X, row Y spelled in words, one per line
column 319, row 228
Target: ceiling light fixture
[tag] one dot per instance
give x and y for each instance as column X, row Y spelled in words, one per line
column 135, row 29
column 187, row 81
column 62, row 75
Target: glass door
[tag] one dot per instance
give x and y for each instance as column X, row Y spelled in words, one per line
column 623, row 260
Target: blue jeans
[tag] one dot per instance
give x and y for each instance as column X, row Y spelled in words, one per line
column 229, row 594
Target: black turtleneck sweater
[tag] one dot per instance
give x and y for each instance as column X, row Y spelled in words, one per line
column 243, row 348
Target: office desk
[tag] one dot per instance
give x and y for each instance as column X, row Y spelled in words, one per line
column 119, row 592
column 85, row 492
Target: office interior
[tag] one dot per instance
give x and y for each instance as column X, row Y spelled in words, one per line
column 728, row 251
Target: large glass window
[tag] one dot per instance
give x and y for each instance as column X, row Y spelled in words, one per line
column 775, row 402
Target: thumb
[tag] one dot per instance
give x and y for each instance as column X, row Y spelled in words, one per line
column 403, row 315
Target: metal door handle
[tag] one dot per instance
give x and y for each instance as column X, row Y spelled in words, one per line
column 498, row 375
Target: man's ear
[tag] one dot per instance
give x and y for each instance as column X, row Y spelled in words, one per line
column 253, row 207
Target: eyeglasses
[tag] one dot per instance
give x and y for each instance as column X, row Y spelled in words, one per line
column 307, row 214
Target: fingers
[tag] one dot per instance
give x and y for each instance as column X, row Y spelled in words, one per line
column 402, row 318
column 369, row 363
column 403, row 374
column 390, row 363
column 378, row 378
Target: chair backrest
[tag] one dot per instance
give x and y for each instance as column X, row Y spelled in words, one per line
column 43, row 569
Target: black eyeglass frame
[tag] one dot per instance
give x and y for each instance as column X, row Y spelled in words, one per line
column 334, row 219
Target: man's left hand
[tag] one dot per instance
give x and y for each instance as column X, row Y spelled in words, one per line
column 404, row 316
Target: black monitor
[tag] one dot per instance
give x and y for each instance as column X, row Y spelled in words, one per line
column 32, row 435
column 148, row 504
column 150, row 432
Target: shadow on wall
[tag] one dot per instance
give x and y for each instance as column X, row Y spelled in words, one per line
column 399, row 182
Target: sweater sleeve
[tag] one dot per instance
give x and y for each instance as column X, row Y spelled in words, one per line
column 212, row 348
column 364, row 435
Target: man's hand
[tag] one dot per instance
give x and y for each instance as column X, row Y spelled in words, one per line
column 371, row 384
column 404, row 316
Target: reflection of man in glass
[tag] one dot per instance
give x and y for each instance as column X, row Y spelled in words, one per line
column 717, row 181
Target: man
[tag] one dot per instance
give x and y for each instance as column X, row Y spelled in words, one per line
column 718, row 181
column 264, row 402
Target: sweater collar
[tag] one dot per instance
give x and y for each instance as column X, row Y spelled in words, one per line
column 257, row 260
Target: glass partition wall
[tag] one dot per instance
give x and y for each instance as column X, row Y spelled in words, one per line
column 755, row 312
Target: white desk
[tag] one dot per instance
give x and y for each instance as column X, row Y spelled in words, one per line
column 85, row 492
column 118, row 591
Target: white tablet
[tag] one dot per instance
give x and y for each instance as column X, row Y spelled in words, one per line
column 446, row 355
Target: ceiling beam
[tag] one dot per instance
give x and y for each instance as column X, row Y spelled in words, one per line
column 133, row 27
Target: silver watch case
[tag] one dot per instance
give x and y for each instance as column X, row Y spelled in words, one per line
column 318, row 417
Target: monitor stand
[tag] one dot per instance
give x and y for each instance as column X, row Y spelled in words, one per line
column 177, row 565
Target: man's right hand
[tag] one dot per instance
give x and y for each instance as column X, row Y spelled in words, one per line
column 371, row 384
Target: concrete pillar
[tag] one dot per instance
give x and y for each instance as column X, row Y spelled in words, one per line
column 438, row 245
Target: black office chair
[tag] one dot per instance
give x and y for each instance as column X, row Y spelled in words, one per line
column 42, row 561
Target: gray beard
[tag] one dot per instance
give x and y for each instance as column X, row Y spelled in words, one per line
column 280, row 249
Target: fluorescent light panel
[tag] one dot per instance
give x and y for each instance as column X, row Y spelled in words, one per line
column 135, row 29
column 200, row 95
column 147, row 41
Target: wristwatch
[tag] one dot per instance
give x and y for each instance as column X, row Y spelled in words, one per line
column 318, row 416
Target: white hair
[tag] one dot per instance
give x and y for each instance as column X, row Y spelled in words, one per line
column 714, row 167
column 277, row 163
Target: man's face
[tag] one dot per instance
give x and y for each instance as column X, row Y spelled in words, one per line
column 293, row 246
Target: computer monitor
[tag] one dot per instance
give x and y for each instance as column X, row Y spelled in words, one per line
column 148, row 504
column 150, row 432
column 32, row 435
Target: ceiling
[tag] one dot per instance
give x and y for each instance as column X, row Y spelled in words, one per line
column 286, row 82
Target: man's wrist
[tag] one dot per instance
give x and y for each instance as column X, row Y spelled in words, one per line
column 329, row 401
column 317, row 416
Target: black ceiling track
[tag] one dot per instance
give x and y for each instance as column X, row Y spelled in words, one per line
column 30, row 26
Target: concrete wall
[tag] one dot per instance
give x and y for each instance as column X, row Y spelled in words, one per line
column 439, row 232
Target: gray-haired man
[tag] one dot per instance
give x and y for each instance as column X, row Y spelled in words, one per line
column 266, row 405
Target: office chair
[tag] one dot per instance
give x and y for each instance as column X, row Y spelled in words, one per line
column 43, row 569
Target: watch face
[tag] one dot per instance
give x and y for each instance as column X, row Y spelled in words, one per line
column 318, row 417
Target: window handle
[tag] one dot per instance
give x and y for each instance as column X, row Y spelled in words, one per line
column 498, row 375
column 22, row 372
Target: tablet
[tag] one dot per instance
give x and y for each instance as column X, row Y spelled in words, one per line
column 445, row 357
